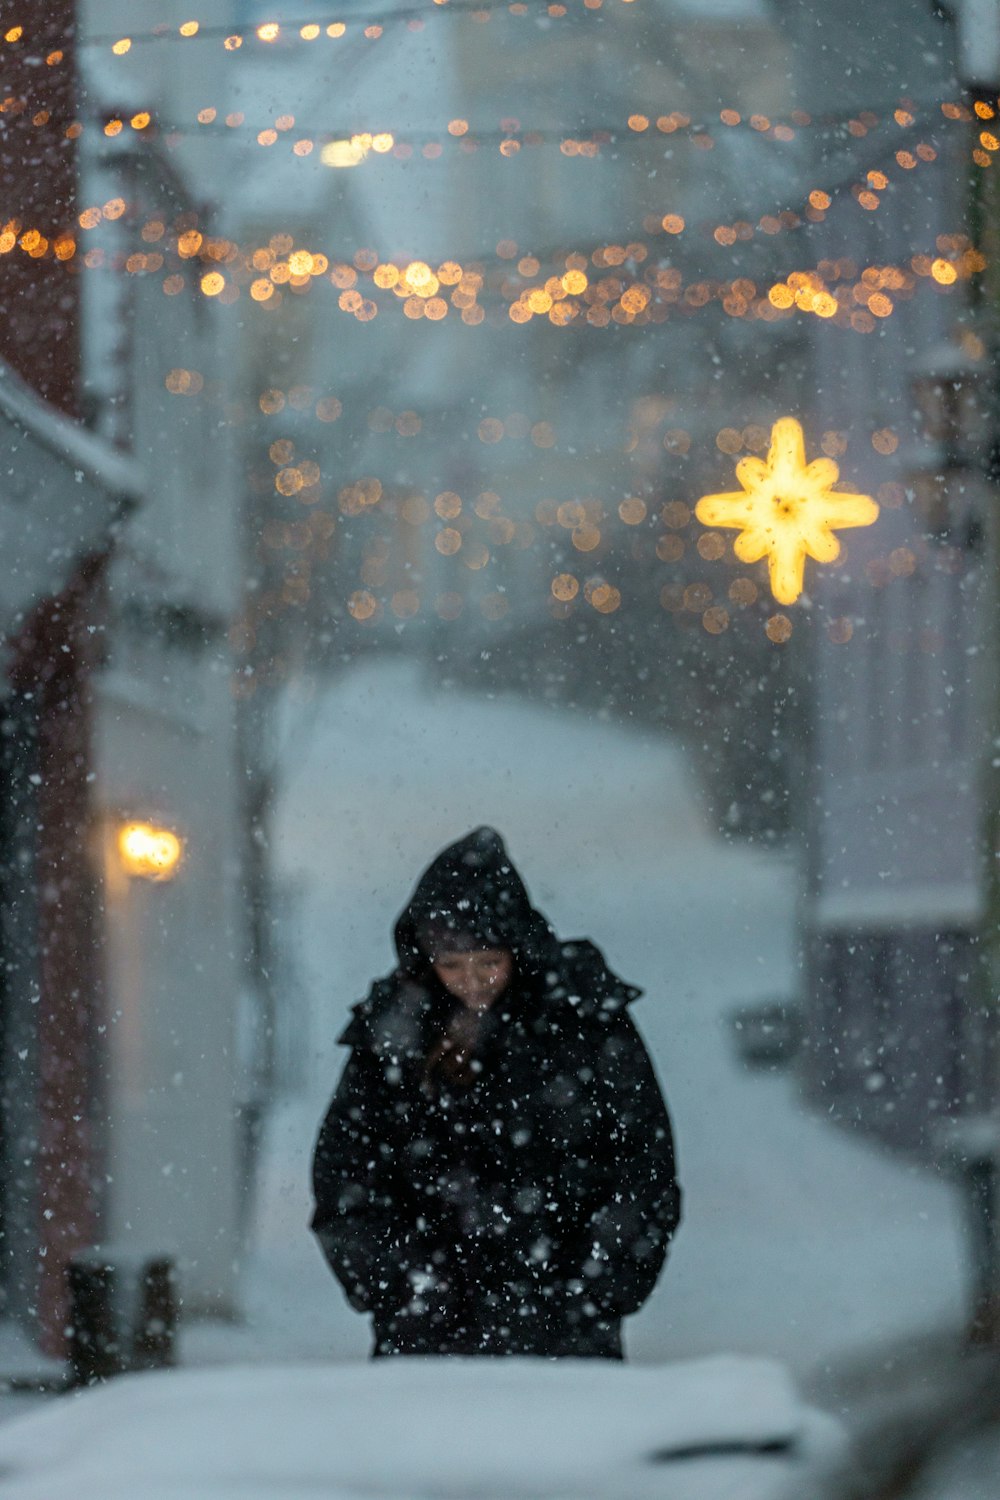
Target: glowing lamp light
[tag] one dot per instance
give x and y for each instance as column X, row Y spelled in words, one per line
column 787, row 510
column 344, row 153
column 149, row 853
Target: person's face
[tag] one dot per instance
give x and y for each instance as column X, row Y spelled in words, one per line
column 476, row 978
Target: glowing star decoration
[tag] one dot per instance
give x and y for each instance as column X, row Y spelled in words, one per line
column 787, row 510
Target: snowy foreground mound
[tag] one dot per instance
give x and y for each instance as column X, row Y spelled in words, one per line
column 713, row 1429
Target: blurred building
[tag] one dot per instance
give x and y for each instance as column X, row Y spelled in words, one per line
column 65, row 495
column 901, row 659
column 125, row 936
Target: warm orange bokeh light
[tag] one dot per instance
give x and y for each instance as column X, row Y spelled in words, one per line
column 149, row 853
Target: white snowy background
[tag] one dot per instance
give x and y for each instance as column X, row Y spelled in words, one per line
column 798, row 1240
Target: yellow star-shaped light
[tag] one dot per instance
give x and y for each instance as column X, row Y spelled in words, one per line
column 787, row 510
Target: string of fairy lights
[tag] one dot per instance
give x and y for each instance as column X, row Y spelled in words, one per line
column 344, row 148
column 623, row 284
column 225, row 266
column 225, row 270
column 270, row 33
column 459, row 135
column 370, row 21
column 603, row 286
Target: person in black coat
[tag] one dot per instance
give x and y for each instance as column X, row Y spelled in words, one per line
column 495, row 1174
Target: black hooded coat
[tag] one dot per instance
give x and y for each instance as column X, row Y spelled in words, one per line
column 529, row 1211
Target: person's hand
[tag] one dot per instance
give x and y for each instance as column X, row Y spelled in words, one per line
column 453, row 1058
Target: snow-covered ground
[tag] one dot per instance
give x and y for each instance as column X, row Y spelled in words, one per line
column 717, row 1429
column 797, row 1241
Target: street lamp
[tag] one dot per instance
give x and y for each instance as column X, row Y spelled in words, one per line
column 148, row 852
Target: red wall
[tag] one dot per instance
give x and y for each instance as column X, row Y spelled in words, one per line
column 39, row 337
column 54, row 661
column 39, row 331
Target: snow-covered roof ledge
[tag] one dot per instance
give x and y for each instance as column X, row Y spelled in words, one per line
column 952, row 904
column 978, row 41
column 61, row 490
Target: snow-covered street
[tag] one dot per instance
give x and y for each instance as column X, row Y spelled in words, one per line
column 797, row 1240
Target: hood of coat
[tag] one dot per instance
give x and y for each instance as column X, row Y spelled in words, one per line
column 471, row 895
column 473, row 891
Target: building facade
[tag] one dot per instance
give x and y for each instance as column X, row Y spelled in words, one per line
column 126, row 941
column 900, row 662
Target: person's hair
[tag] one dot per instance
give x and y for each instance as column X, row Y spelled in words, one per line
column 440, row 938
column 443, row 934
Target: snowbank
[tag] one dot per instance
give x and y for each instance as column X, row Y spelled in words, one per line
column 724, row 1428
